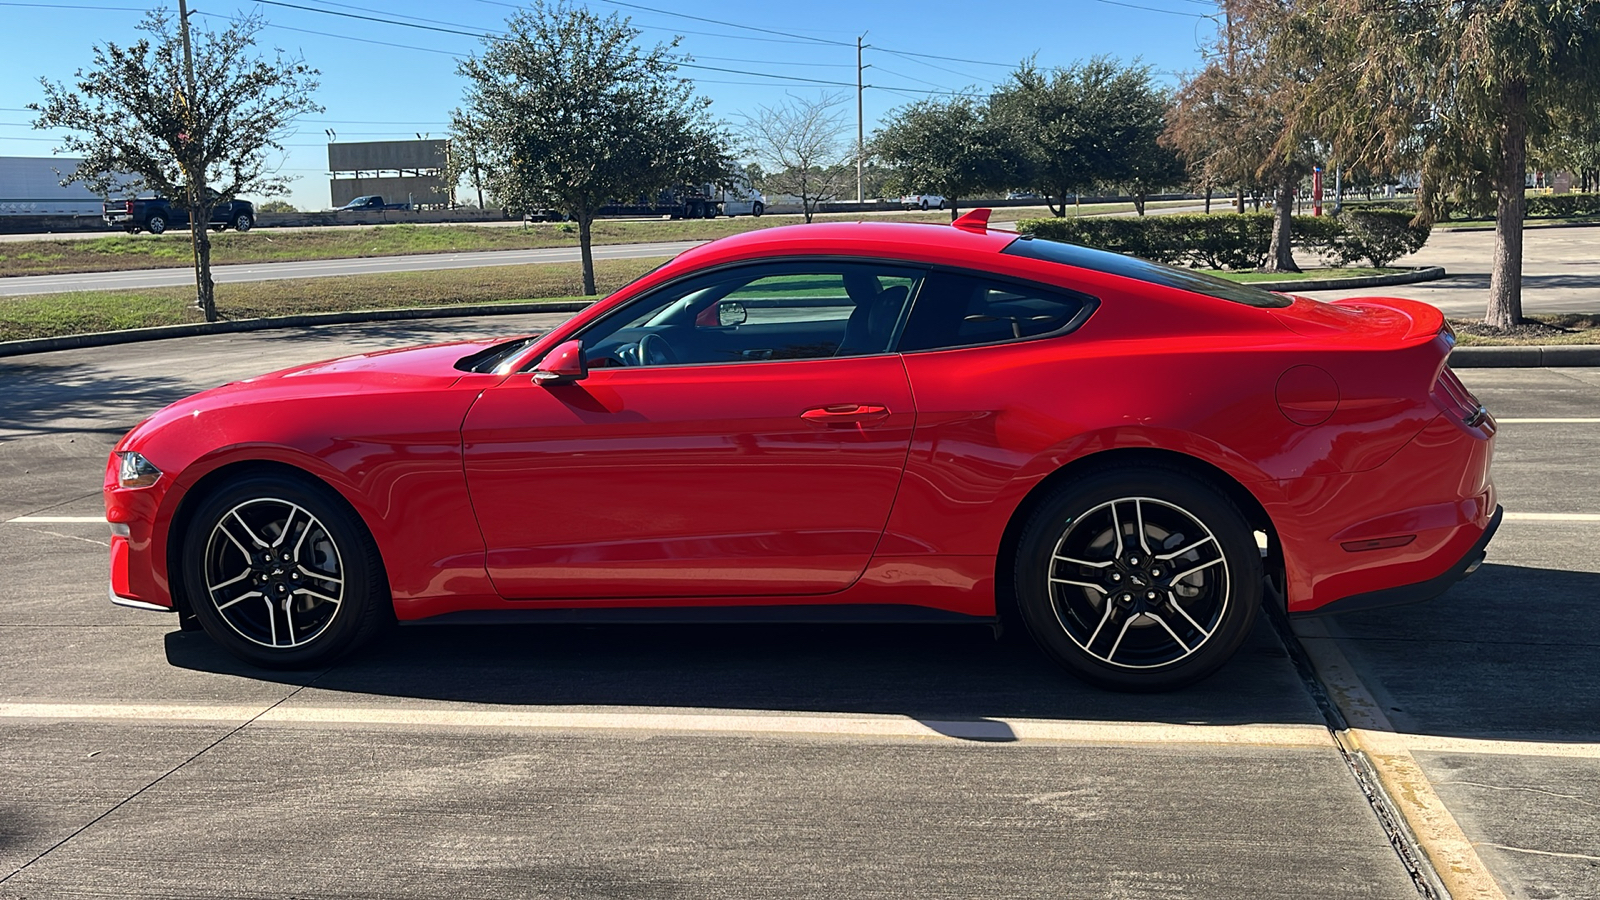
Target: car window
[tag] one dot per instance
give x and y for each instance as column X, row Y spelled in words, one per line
column 1144, row 270
column 773, row 311
column 961, row 310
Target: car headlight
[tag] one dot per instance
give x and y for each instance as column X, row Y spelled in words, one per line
column 134, row 471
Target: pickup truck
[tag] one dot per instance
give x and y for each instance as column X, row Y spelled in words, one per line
column 371, row 203
column 922, row 201
column 156, row 214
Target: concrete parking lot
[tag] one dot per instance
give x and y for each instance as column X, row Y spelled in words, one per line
column 140, row 761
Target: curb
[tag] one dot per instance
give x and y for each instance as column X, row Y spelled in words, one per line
column 1524, row 357
column 163, row 332
column 1430, row 273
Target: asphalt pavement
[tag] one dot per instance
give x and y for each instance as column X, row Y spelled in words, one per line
column 140, row 761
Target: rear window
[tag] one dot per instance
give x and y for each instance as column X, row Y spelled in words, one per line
column 1144, row 270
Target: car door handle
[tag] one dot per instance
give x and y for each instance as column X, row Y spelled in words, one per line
column 846, row 414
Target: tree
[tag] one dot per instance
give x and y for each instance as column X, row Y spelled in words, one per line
column 1463, row 92
column 1234, row 118
column 277, row 206
column 801, row 144
column 140, row 122
column 567, row 112
column 1091, row 124
column 952, row 147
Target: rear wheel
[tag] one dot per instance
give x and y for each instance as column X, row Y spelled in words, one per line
column 156, row 224
column 1139, row 579
column 281, row 574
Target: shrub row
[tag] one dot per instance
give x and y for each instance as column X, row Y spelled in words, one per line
column 1562, row 206
column 1229, row 241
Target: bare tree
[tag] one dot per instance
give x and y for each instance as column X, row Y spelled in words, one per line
column 801, row 144
column 199, row 138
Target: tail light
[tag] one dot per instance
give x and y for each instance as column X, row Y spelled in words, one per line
column 1454, row 398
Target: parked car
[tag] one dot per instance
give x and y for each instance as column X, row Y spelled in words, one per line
column 835, row 422
column 157, row 214
column 922, row 201
column 1021, row 195
column 371, row 203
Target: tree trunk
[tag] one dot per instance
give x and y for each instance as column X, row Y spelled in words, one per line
column 955, row 206
column 1505, row 278
column 1208, row 199
column 1238, row 199
column 585, row 219
column 207, row 287
column 1138, row 202
column 1280, row 255
column 1059, row 212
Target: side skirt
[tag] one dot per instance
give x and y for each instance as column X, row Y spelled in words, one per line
column 808, row 614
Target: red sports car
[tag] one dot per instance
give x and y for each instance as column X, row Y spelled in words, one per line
column 834, row 422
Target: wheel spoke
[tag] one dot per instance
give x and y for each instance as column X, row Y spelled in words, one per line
column 323, row 597
column 249, row 533
column 288, row 615
column 1112, row 656
column 222, row 527
column 1173, row 602
column 1194, row 546
column 1081, row 562
column 1204, row 565
column 234, row 580
column 272, row 620
column 1116, row 529
column 284, row 531
column 1084, row 584
column 320, row 576
column 1163, row 623
column 1104, row 618
column 1138, row 517
column 245, row 596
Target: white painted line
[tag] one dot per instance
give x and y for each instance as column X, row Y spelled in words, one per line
column 56, row 520
column 1594, row 421
column 886, row 726
column 1552, row 517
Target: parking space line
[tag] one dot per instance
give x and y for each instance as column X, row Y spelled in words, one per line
column 870, row 726
column 1552, row 517
column 55, row 520
column 1549, row 421
column 1454, row 857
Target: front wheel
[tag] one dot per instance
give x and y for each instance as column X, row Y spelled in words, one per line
column 243, row 222
column 281, row 574
column 1139, row 579
column 757, row 210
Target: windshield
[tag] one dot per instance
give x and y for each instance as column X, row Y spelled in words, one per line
column 1144, row 270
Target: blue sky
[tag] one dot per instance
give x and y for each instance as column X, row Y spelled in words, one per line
column 375, row 91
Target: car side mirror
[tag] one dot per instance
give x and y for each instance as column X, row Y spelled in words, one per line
column 562, row 365
column 730, row 313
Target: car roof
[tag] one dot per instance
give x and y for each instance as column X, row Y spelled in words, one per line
column 901, row 239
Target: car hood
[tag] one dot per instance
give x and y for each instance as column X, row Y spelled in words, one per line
column 430, row 367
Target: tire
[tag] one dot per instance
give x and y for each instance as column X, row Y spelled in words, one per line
column 941, row 204
column 757, row 209
column 228, row 575
column 243, row 222
column 156, row 224
column 1120, row 620
column 924, row 206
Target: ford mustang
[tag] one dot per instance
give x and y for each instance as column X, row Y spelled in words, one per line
column 834, row 422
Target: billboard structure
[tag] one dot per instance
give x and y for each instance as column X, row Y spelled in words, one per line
column 401, row 171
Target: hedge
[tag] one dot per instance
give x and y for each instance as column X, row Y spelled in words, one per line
column 1232, row 241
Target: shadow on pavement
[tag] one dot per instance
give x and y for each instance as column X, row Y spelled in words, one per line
column 38, row 398
column 1511, row 652
column 933, row 673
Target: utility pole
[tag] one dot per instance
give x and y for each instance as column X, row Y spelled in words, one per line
column 861, row 149
column 202, row 299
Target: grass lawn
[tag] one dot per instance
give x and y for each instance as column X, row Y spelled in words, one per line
column 120, row 252
column 1307, row 275
column 51, row 315
column 1544, row 329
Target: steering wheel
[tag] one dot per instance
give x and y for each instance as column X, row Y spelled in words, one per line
column 655, row 351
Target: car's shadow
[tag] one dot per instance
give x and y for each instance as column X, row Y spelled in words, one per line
column 1511, row 652
column 928, row 672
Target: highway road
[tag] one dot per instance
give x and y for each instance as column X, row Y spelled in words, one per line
column 149, row 278
column 754, row 762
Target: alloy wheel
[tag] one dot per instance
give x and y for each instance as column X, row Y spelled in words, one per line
column 274, row 573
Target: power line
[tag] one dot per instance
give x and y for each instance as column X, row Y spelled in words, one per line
column 1155, row 9
column 78, row 6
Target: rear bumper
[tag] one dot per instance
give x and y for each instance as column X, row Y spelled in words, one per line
column 1420, row 591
